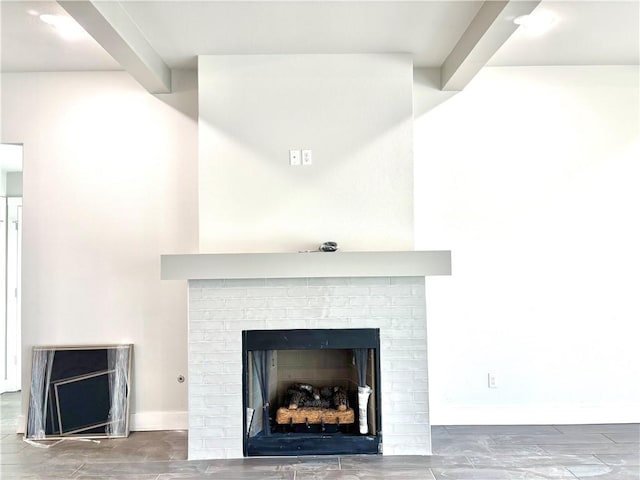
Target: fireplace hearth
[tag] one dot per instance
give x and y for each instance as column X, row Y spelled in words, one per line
column 300, row 391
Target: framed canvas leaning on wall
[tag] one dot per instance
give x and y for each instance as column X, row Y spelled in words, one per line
column 79, row 391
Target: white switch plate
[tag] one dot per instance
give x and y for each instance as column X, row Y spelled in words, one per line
column 492, row 380
column 294, row 158
column 307, row 158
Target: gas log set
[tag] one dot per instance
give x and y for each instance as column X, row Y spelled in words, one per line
column 308, row 405
column 305, row 395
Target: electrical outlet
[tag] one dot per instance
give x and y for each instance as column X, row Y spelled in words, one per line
column 294, row 158
column 492, row 380
column 307, row 158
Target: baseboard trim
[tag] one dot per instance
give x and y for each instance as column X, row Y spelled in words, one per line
column 534, row 414
column 149, row 421
column 143, row 422
column 465, row 415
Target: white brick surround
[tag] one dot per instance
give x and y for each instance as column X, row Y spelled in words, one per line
column 219, row 310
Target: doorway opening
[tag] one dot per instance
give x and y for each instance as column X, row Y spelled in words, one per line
column 11, row 156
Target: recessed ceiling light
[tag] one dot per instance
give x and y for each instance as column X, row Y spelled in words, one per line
column 33, row 12
column 67, row 27
column 536, row 23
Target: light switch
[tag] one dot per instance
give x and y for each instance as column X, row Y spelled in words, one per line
column 307, row 158
column 294, row 158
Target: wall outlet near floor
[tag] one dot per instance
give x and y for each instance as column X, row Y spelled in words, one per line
column 492, row 380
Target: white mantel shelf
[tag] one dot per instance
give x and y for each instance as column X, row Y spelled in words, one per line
column 305, row 265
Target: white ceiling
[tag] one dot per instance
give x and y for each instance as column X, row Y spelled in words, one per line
column 179, row 31
column 29, row 45
column 588, row 32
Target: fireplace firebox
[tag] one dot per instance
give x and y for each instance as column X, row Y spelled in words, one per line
column 311, row 392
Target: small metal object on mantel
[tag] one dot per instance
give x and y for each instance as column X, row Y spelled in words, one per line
column 328, row 247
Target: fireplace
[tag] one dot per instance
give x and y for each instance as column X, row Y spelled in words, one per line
column 234, row 293
column 311, row 392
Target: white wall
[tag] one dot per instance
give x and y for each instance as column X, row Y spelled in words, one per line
column 353, row 111
column 530, row 176
column 110, row 178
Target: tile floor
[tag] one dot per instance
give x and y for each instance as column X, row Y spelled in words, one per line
column 587, row 452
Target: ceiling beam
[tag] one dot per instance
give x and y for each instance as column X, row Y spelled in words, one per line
column 490, row 28
column 110, row 25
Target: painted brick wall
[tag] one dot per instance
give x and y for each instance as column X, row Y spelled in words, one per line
column 219, row 310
